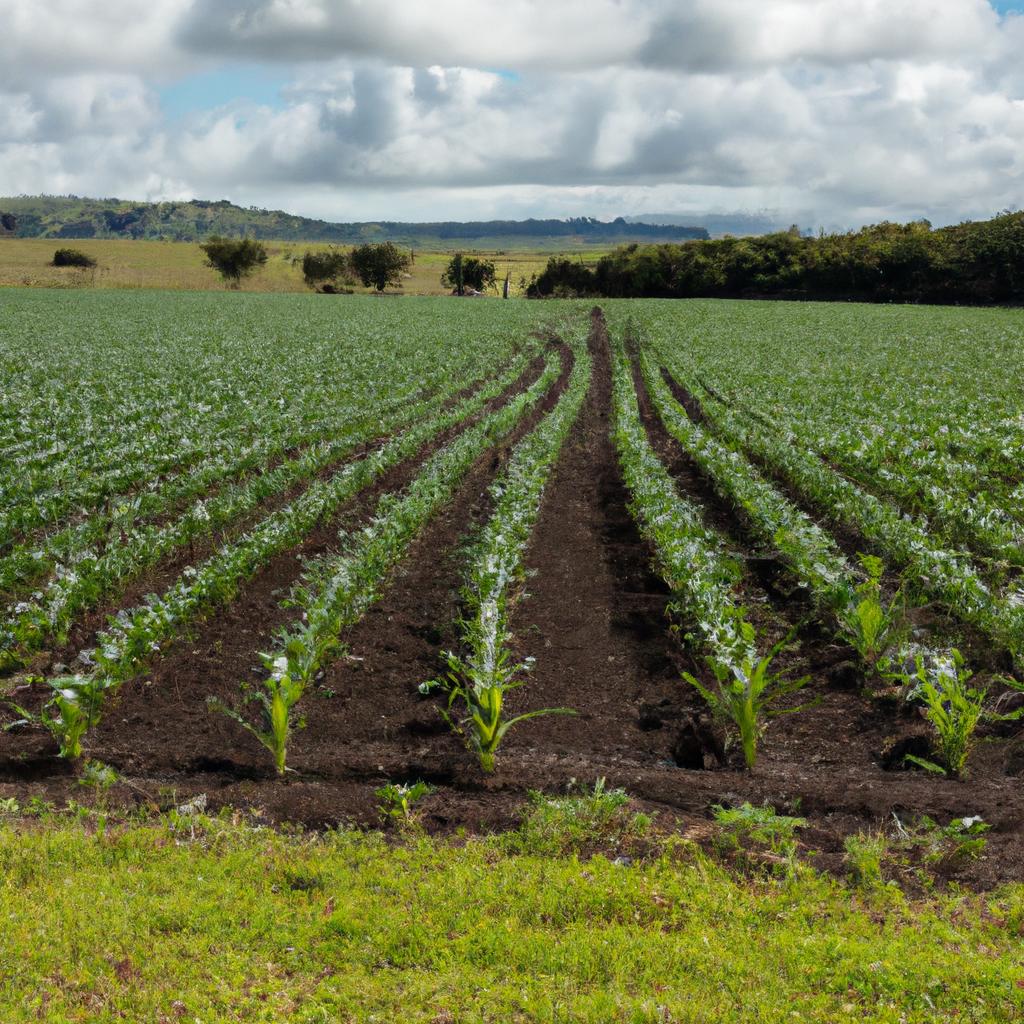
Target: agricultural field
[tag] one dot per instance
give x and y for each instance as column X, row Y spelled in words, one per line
column 490, row 567
column 285, row 552
column 180, row 266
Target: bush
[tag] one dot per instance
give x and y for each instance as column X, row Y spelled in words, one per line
column 379, row 264
column 324, row 270
column 72, row 258
column 465, row 272
column 234, row 258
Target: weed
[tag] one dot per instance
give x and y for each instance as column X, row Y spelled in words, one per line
column 864, row 855
column 397, row 799
column 586, row 818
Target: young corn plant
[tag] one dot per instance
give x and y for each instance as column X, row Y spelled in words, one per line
column 951, row 706
column 870, row 625
column 281, row 693
column 745, row 694
column 480, row 685
column 71, row 711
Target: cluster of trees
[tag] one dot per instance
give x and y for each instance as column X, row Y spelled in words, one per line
column 980, row 262
column 374, row 265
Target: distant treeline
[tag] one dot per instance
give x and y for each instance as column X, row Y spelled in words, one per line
column 196, row 219
column 978, row 262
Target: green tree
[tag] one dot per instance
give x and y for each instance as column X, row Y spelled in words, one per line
column 378, row 264
column 234, row 258
column 465, row 272
column 327, row 269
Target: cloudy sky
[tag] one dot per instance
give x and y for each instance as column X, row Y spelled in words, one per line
column 833, row 111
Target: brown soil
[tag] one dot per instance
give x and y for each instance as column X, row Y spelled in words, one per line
column 595, row 620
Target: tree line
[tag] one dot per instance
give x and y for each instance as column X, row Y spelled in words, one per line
column 977, row 263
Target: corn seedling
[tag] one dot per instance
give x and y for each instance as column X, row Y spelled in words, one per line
column 280, row 694
column 71, row 711
column 951, row 706
column 869, row 624
column 481, row 687
column 745, row 693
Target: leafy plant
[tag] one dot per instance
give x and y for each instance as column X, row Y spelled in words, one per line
column 481, row 687
column 397, row 799
column 952, row 707
column 279, row 695
column 961, row 838
column 71, row 711
column 745, row 695
column 760, row 826
column 869, row 624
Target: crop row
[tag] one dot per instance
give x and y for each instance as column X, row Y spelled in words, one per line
column 335, row 591
column 480, row 676
column 945, row 575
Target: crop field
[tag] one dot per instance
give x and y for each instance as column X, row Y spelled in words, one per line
column 281, row 553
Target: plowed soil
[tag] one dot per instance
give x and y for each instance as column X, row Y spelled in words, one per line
column 595, row 620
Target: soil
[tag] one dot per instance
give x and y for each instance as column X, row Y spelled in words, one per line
column 595, row 619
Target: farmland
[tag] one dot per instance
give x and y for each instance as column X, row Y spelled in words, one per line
column 236, row 507
column 315, row 561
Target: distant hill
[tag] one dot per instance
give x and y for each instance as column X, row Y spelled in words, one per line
column 764, row 222
column 73, row 217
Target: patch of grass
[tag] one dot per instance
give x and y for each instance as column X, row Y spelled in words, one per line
column 224, row 922
column 585, row 820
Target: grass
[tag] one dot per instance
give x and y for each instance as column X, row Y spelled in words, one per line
column 213, row 920
column 124, row 263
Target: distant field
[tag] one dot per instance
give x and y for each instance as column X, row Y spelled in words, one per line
column 180, row 266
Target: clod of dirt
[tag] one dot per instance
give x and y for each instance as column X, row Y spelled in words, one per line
column 1015, row 759
column 698, row 746
column 893, row 757
column 844, row 676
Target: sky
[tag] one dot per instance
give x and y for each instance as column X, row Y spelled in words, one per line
column 830, row 112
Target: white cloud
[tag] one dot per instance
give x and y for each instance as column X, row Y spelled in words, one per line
column 840, row 110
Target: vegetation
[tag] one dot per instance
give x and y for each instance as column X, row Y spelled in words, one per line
column 379, row 264
column 327, row 270
column 72, row 258
column 198, row 918
column 76, row 217
column 473, row 272
column 234, row 258
column 975, row 262
column 481, row 678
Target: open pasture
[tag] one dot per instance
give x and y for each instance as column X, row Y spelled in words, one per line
column 240, row 533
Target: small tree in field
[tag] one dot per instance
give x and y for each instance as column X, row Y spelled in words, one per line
column 326, row 270
column 465, row 272
column 234, row 258
column 378, row 264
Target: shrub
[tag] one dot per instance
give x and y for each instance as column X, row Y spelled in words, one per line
column 378, row 264
column 326, row 270
column 72, row 258
column 234, row 258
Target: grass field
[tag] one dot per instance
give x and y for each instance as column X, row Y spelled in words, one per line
column 750, row 573
column 180, row 266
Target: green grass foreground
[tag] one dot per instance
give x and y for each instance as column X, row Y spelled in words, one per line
column 203, row 920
